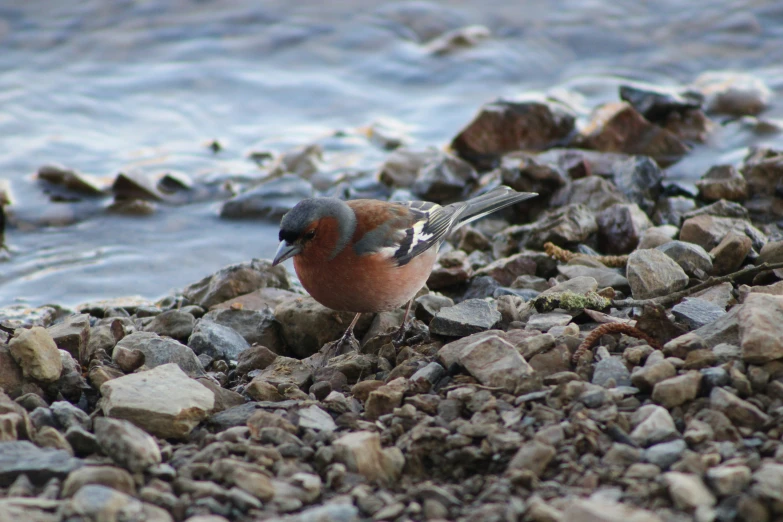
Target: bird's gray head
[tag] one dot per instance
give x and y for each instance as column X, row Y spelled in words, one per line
column 300, row 226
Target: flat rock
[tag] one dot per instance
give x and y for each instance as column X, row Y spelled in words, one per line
column 468, row 317
column 136, row 398
column 611, row 369
column 286, row 370
column 315, row 418
column 729, row 480
column 697, row 312
column 127, row 445
column 21, row 316
column 768, row 481
column 269, row 200
column 507, row 269
column 108, row 476
column 760, row 327
column 217, row 341
column 665, row 454
column 236, row 280
column 444, row 179
column 38, row 464
column 594, row 192
column 651, row 273
column 163, row 350
column 96, row 502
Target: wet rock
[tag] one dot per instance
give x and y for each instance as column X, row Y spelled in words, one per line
column 687, row 490
column 172, row 323
column 361, row 452
column 617, row 127
column 676, row 391
column 36, row 353
column 286, row 371
column 665, row 454
column 38, row 464
column 307, row 325
column 444, row 179
column 162, row 350
column 737, row 94
column 729, row 480
column 620, row 228
column 451, row 268
column 593, row 192
column 655, row 425
column 468, row 317
column 730, row 253
column 506, row 270
column 255, row 358
column 740, row 412
column 490, row 359
column 651, row 273
column 269, row 200
column 722, row 182
column 760, row 328
column 692, row 258
column 603, row 510
column 697, row 312
column 533, row 456
column 109, row 476
column 72, row 335
column 657, row 104
column 256, row 326
column 136, row 398
column 236, row 280
column 505, row 126
column 217, row 341
column 708, row 231
column 96, row 502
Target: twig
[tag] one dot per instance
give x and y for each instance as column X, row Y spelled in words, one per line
column 565, row 256
column 670, row 299
column 608, row 328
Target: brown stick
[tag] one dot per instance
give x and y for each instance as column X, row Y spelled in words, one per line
column 668, row 300
column 608, row 328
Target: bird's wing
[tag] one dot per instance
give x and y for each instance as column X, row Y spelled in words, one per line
column 430, row 223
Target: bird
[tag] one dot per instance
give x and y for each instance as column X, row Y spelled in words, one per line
column 370, row 256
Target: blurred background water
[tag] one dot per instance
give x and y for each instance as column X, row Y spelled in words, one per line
column 145, row 85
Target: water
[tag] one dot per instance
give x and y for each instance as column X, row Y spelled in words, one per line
column 103, row 87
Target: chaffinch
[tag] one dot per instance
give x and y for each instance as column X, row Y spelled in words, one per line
column 368, row 256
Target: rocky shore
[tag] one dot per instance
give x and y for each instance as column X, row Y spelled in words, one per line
column 612, row 351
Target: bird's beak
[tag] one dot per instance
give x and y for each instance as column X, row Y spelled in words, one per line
column 285, row 251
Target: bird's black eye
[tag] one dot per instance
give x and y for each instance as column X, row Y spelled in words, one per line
column 309, row 235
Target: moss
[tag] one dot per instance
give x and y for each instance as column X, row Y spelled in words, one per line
column 571, row 301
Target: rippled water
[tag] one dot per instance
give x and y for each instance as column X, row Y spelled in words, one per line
column 103, row 87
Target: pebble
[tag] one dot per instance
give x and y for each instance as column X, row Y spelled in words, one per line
column 692, row 258
column 468, row 317
column 760, row 328
column 652, row 273
column 72, row 335
column 620, row 227
column 172, row 323
column 130, row 447
column 255, row 326
column 36, row 353
column 738, row 410
column 217, row 341
column 361, row 452
column 676, row 391
column 697, row 312
column 655, row 425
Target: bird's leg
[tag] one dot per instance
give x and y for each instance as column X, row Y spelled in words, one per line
column 348, row 335
column 400, row 336
column 334, row 348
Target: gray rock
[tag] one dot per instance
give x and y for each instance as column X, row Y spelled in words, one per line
column 761, row 328
column 507, row 269
column 656, row 105
column 444, row 179
column 72, row 335
column 11, row 377
column 594, row 192
column 96, row 502
column 611, row 369
column 136, row 398
column 327, row 512
column 654, row 237
column 693, row 259
column 724, row 331
column 67, row 415
column 37, row 354
column 740, row 412
column 71, row 383
column 468, row 317
column 22, row 316
column 729, row 480
column 665, row 454
column 676, row 391
column 217, row 341
column 256, row 326
column 128, row 446
column 172, row 323
column 605, row 277
column 620, row 227
column 108, row 476
column 652, row 273
column 653, row 372
column 688, row 491
column 236, row 416
column 534, row 456
column 638, row 178
column 547, row 321
column 286, row 371
column 236, row 280
column 730, row 253
column 255, row 358
column 605, row 510
column 722, row 182
column 670, row 211
column 315, row 418
column 269, row 200
column 567, row 225
column 657, row 425
column 430, row 304
column 697, row 312
column 163, row 350
column 38, row 464
column 401, row 166
column 707, row 231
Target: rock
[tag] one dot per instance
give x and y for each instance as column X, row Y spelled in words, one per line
column 361, row 452
column 401, row 166
column 768, row 481
column 128, row 360
column 136, row 398
column 617, row 127
column 428, row 376
column 162, row 350
column 217, row 341
column 505, row 126
column 600, row 510
column 286, row 371
column 428, row 305
column 708, row 231
column 307, row 325
column 654, row 237
column 611, row 369
column 326, row 513
column 565, row 226
column 38, row 464
column 506, row 270
column 444, row 179
column 722, row 182
column 36, row 353
column 670, row 211
column 697, row 312
column 737, row 94
column 269, row 200
column 657, row 105
column 692, row 258
column 729, row 480
column 11, row 377
column 620, row 227
column 21, row 316
column 657, row 426
column 687, row 490
column 104, row 336
column 172, row 323
column 468, row 317
column 385, row 398
column 490, row 359
column 760, row 328
column 96, row 502
column 665, row 454
column 315, row 418
column 533, row 456
column 604, row 277
column 235, row 280
column 651, row 273
column 653, row 372
column 72, row 335
column 255, row 358
column 451, row 268
column 127, row 445
column 109, row 476
column 730, row 253
column 593, row 192
column 676, row 391
column 256, row 326
column 224, row 398
column 740, row 412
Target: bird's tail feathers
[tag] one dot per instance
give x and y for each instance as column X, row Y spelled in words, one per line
column 492, row 201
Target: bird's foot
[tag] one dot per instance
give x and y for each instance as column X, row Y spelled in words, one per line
column 345, row 344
